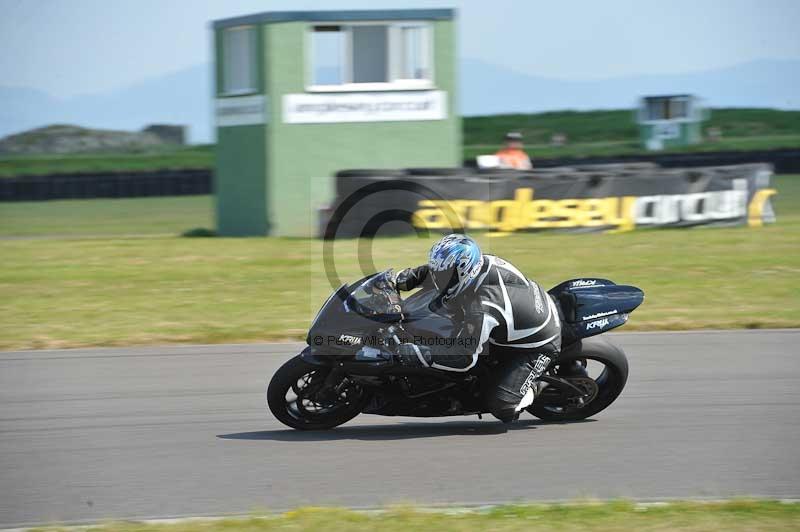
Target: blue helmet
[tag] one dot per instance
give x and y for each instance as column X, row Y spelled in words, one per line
column 454, row 263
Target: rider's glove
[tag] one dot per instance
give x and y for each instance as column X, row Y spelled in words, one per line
column 392, row 279
column 413, row 355
column 394, row 335
column 410, row 278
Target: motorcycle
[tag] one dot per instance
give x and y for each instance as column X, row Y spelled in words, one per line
column 348, row 368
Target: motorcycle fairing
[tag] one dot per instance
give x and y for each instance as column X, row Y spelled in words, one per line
column 592, row 306
column 421, row 318
column 355, row 310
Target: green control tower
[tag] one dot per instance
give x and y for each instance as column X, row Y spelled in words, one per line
column 670, row 121
column 302, row 94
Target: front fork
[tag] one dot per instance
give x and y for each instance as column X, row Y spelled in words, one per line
column 335, row 382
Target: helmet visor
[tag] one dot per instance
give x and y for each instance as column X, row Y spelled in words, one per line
column 444, row 280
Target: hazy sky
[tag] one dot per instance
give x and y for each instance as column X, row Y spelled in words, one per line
column 69, row 47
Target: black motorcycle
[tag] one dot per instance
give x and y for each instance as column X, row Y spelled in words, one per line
column 348, row 367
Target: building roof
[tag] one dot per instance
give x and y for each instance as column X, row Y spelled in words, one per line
column 336, row 16
column 665, row 96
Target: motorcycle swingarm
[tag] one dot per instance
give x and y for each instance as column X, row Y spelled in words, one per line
column 564, row 387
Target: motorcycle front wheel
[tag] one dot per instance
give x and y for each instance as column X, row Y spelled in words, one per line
column 297, row 397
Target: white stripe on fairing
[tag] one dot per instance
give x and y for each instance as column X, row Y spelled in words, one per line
column 489, row 323
column 508, row 316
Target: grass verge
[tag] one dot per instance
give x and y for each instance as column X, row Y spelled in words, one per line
column 167, row 158
column 71, row 292
column 590, row 133
column 731, row 516
column 169, row 215
column 620, row 125
column 203, row 156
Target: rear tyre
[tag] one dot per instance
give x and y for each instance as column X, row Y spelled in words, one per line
column 296, row 397
column 602, row 390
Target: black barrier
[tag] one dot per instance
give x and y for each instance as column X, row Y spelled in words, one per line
column 599, row 198
column 199, row 181
column 106, row 185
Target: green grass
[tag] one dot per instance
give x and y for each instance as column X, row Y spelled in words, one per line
column 731, row 516
column 68, row 292
column 599, row 133
column 160, row 159
column 590, row 133
column 130, row 216
column 619, row 125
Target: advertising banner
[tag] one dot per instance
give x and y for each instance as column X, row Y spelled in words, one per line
column 241, row 111
column 310, row 108
column 568, row 200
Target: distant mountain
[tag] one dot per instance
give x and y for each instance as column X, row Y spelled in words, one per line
column 64, row 138
column 489, row 89
column 184, row 97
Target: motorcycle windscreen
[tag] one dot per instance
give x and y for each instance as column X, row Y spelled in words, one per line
column 376, row 297
column 355, row 311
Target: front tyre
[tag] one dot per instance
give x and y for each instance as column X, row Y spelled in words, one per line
column 296, row 395
column 600, row 390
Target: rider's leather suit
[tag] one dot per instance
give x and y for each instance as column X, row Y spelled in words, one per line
column 502, row 311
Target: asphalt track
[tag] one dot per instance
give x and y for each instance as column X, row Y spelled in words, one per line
column 171, row 431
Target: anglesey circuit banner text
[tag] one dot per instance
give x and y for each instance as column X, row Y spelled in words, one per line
column 568, row 200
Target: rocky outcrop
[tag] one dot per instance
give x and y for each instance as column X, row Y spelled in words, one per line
column 168, row 133
column 62, row 138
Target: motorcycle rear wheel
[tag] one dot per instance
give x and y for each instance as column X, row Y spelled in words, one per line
column 603, row 390
column 294, row 397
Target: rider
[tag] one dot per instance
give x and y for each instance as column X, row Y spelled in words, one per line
column 495, row 305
